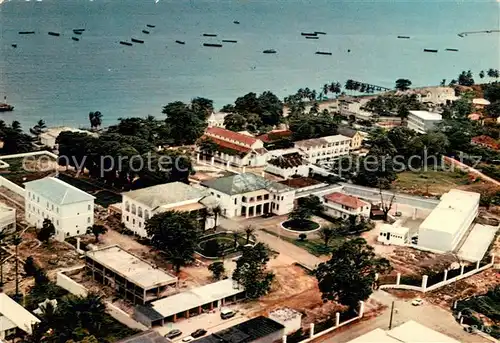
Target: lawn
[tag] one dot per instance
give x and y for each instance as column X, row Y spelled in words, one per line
column 430, row 182
column 300, row 225
column 314, row 245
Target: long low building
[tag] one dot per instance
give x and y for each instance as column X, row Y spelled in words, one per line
column 190, row 303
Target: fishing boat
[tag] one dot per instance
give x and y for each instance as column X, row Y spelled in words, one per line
column 149, row 25
column 229, row 41
column 57, row 34
column 404, row 37
column 430, row 50
column 75, row 39
column 236, row 22
column 26, row 32
column 137, row 40
column 209, row 35
column 312, row 37
column 125, row 43
column 213, row 45
column 77, row 32
column 6, row 108
column 320, row 32
column 269, row 51
column 310, row 34
column 81, row 30
column 145, row 31
column 450, row 49
column 323, row 53
column 180, row 42
column 14, row 45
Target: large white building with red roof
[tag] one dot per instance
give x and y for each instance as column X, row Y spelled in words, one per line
column 341, row 205
column 237, row 148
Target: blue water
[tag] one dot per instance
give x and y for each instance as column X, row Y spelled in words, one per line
column 61, row 80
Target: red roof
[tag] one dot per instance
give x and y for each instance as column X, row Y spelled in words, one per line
column 274, row 135
column 486, row 141
column 344, row 199
column 231, row 135
column 228, row 145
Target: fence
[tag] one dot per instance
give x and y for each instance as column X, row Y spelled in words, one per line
column 439, row 280
column 68, row 284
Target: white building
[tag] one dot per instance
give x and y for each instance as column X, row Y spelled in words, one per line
column 287, row 163
column 140, row 205
column 423, row 121
column 14, row 318
column 351, row 106
column 49, row 137
column 236, row 148
column 289, row 318
column 443, row 229
column 340, row 205
column 70, row 209
column 250, row 195
column 216, row 119
column 432, row 95
column 393, row 234
column 325, row 148
column 7, row 219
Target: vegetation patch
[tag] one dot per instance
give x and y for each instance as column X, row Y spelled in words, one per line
column 221, row 244
column 314, row 246
column 300, row 225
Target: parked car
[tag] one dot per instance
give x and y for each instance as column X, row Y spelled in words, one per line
column 199, row 333
column 187, row 339
column 173, row 333
column 226, row 313
column 414, row 239
column 417, row 302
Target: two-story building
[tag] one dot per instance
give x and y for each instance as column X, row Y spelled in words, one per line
column 70, row 209
column 423, row 121
column 216, row 119
column 287, row 163
column 237, row 148
column 340, row 205
column 355, row 136
column 325, row 148
column 140, row 205
column 250, row 195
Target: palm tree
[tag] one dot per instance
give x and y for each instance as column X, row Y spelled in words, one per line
column 481, row 74
column 325, row 89
column 16, row 241
column 249, row 229
column 16, row 126
column 235, row 239
column 216, row 211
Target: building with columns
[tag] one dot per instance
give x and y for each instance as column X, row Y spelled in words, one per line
column 250, row 195
column 322, row 149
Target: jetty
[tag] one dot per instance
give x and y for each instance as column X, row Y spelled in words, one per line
column 26, row 32
column 213, row 45
column 125, row 43
column 430, row 50
column 463, row 34
column 137, row 40
column 323, row 53
column 57, row 34
column 180, row 42
column 229, row 41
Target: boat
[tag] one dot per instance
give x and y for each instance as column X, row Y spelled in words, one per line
column 145, row 31
column 310, row 34
column 404, row 37
column 77, row 32
column 137, row 40
column 320, row 32
column 430, row 50
column 229, row 41
column 323, row 53
column 269, row 51
column 149, row 25
column 236, row 22
column 14, row 45
column 75, row 38
column 312, row 37
column 81, row 30
column 125, row 43
column 26, row 32
column 57, row 34
column 180, row 42
column 213, row 45
column 449, row 49
column 209, row 35
column 6, row 108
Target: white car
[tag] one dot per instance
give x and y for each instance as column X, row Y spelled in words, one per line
column 417, row 302
column 187, row 339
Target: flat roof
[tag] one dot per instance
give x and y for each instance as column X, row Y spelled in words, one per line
column 453, row 209
column 131, row 267
column 195, row 297
column 164, row 194
column 477, row 243
column 375, row 336
column 426, row 115
column 413, row 332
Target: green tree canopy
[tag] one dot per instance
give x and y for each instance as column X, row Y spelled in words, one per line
column 403, row 84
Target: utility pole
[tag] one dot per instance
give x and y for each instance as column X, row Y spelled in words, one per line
column 392, row 312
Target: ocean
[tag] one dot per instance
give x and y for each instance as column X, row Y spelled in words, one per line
column 61, row 80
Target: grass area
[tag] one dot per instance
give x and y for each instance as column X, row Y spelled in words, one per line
column 431, row 182
column 314, row 246
column 300, row 225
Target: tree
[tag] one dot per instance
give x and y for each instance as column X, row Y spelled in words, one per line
column 30, row 266
column 481, row 74
column 216, row 212
column 465, row 78
column 16, row 241
column 349, row 275
column 203, row 105
column 251, row 271
column 300, row 214
column 326, row 234
column 95, row 119
column 493, row 73
column 47, row 231
column 249, row 230
column 207, row 147
column 38, row 128
column 384, row 205
column 217, row 269
column 313, row 203
column 302, row 237
column 175, row 234
column 186, row 123
column 97, row 230
column 403, row 84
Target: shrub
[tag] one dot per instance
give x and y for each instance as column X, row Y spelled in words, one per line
column 302, row 237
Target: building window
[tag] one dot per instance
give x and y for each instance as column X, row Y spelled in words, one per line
column 77, row 232
column 38, row 199
column 134, row 209
column 133, row 221
column 128, row 218
column 52, row 207
column 67, row 233
column 139, row 211
column 88, row 220
column 277, row 207
column 127, row 206
column 57, row 209
column 57, row 222
column 140, row 224
column 146, row 214
column 235, row 201
column 218, row 196
column 88, row 207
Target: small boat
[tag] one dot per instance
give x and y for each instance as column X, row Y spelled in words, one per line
column 14, row 45
column 449, row 49
column 180, row 42
column 320, row 32
column 430, row 50
column 81, row 30
column 461, row 35
column 26, row 32
column 137, row 40
column 269, row 51
column 57, row 34
column 145, row 31
column 229, row 41
column 125, row 43
column 323, row 53
column 6, row 108
column 209, row 35
column 312, row 37
column 77, row 32
column 149, row 25
column 348, row 50
column 75, row 39
column 404, row 37
column 236, row 22
column 310, row 34
column 213, row 45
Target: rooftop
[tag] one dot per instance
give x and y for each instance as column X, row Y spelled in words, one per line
column 290, row 160
column 400, row 230
column 486, row 141
column 196, row 297
column 300, row 182
column 14, row 314
column 231, row 135
column 345, row 199
column 426, row 115
column 453, row 209
column 313, row 142
column 57, row 191
column 165, row 194
column 480, row 101
column 274, row 135
column 150, row 336
column 346, row 131
column 242, row 183
column 131, row 267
